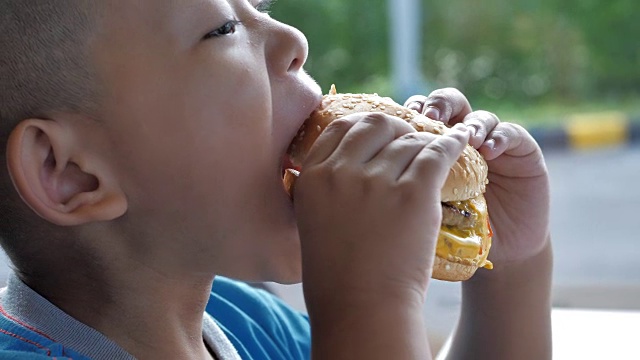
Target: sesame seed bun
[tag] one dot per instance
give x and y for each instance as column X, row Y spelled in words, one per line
column 467, row 178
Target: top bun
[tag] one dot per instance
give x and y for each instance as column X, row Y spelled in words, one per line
column 467, row 178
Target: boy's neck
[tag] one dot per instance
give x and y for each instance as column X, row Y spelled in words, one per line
column 145, row 310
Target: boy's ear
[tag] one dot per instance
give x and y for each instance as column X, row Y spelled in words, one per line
column 61, row 181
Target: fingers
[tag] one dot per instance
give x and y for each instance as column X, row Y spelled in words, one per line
column 448, row 105
column 493, row 138
column 328, row 141
column 420, row 104
column 509, row 139
column 433, row 162
column 416, row 103
column 481, row 123
column 360, row 139
column 390, row 150
column 394, row 159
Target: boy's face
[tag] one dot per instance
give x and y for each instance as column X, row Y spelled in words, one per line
column 198, row 127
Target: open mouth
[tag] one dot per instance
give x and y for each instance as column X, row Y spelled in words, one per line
column 289, row 174
column 287, row 164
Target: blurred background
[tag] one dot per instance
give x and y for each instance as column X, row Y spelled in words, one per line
column 529, row 60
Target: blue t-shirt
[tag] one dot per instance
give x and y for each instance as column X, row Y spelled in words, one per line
column 259, row 325
column 256, row 323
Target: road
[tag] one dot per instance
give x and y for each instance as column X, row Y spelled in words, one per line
column 595, row 218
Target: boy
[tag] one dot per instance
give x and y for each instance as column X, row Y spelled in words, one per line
column 144, row 144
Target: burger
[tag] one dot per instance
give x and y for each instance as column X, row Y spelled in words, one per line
column 465, row 235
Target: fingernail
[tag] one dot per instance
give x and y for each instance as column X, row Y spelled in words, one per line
column 432, row 113
column 460, row 127
column 415, row 106
column 491, row 144
column 473, row 130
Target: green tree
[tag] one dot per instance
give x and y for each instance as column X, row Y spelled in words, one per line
column 498, row 50
column 348, row 40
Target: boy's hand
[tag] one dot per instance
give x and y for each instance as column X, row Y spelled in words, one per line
column 368, row 210
column 518, row 190
column 506, row 312
column 368, row 204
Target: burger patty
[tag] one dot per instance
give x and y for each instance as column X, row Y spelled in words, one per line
column 459, row 218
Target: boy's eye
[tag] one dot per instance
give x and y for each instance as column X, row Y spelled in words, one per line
column 227, row 29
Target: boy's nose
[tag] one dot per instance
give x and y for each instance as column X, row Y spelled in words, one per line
column 286, row 49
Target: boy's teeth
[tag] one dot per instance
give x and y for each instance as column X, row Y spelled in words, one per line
column 289, row 180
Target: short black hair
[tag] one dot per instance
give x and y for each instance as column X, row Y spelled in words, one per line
column 45, row 67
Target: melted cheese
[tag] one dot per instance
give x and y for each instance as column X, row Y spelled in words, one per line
column 467, row 244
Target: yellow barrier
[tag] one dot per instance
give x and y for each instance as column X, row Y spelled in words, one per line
column 597, row 130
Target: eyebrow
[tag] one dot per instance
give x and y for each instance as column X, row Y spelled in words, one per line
column 264, row 5
column 188, row 17
column 197, row 12
column 199, row 6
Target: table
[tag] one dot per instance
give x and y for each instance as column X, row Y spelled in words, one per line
column 595, row 334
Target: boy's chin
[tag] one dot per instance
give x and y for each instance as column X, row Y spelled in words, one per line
column 285, row 273
column 282, row 267
column 289, row 279
column 279, row 276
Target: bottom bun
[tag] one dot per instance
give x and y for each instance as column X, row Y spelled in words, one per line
column 450, row 271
